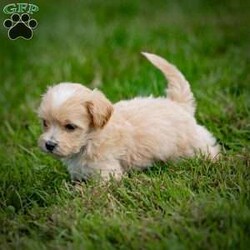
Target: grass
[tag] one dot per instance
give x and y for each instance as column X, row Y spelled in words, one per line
column 192, row 204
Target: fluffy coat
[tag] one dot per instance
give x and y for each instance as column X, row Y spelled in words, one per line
column 109, row 139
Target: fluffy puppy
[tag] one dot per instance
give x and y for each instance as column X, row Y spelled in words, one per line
column 93, row 136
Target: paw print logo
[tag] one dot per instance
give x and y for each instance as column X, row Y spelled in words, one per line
column 20, row 26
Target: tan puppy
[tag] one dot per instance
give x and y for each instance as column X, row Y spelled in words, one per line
column 91, row 135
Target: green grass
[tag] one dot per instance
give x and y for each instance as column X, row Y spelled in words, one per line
column 192, row 204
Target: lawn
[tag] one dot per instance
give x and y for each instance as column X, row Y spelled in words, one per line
column 192, row 204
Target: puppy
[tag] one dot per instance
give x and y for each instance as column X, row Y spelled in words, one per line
column 93, row 136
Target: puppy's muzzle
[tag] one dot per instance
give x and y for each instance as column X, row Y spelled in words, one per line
column 50, row 145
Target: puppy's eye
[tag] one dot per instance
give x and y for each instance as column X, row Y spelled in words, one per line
column 70, row 127
column 45, row 124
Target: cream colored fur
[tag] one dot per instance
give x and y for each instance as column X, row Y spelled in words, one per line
column 109, row 139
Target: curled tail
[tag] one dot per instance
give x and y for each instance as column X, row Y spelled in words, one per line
column 178, row 87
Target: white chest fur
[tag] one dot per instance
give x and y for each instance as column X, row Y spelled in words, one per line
column 78, row 168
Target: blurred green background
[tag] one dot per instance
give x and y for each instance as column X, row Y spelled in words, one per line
column 191, row 204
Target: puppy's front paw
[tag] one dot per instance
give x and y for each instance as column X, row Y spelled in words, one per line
column 107, row 175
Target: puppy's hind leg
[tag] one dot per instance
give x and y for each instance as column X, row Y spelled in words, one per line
column 207, row 144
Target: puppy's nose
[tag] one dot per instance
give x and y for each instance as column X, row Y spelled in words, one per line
column 50, row 145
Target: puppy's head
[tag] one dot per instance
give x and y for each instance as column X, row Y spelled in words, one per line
column 69, row 113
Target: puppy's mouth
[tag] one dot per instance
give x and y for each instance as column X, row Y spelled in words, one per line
column 59, row 154
column 54, row 152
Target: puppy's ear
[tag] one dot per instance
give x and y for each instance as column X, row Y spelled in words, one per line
column 99, row 108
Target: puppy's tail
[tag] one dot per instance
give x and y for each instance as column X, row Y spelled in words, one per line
column 178, row 87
